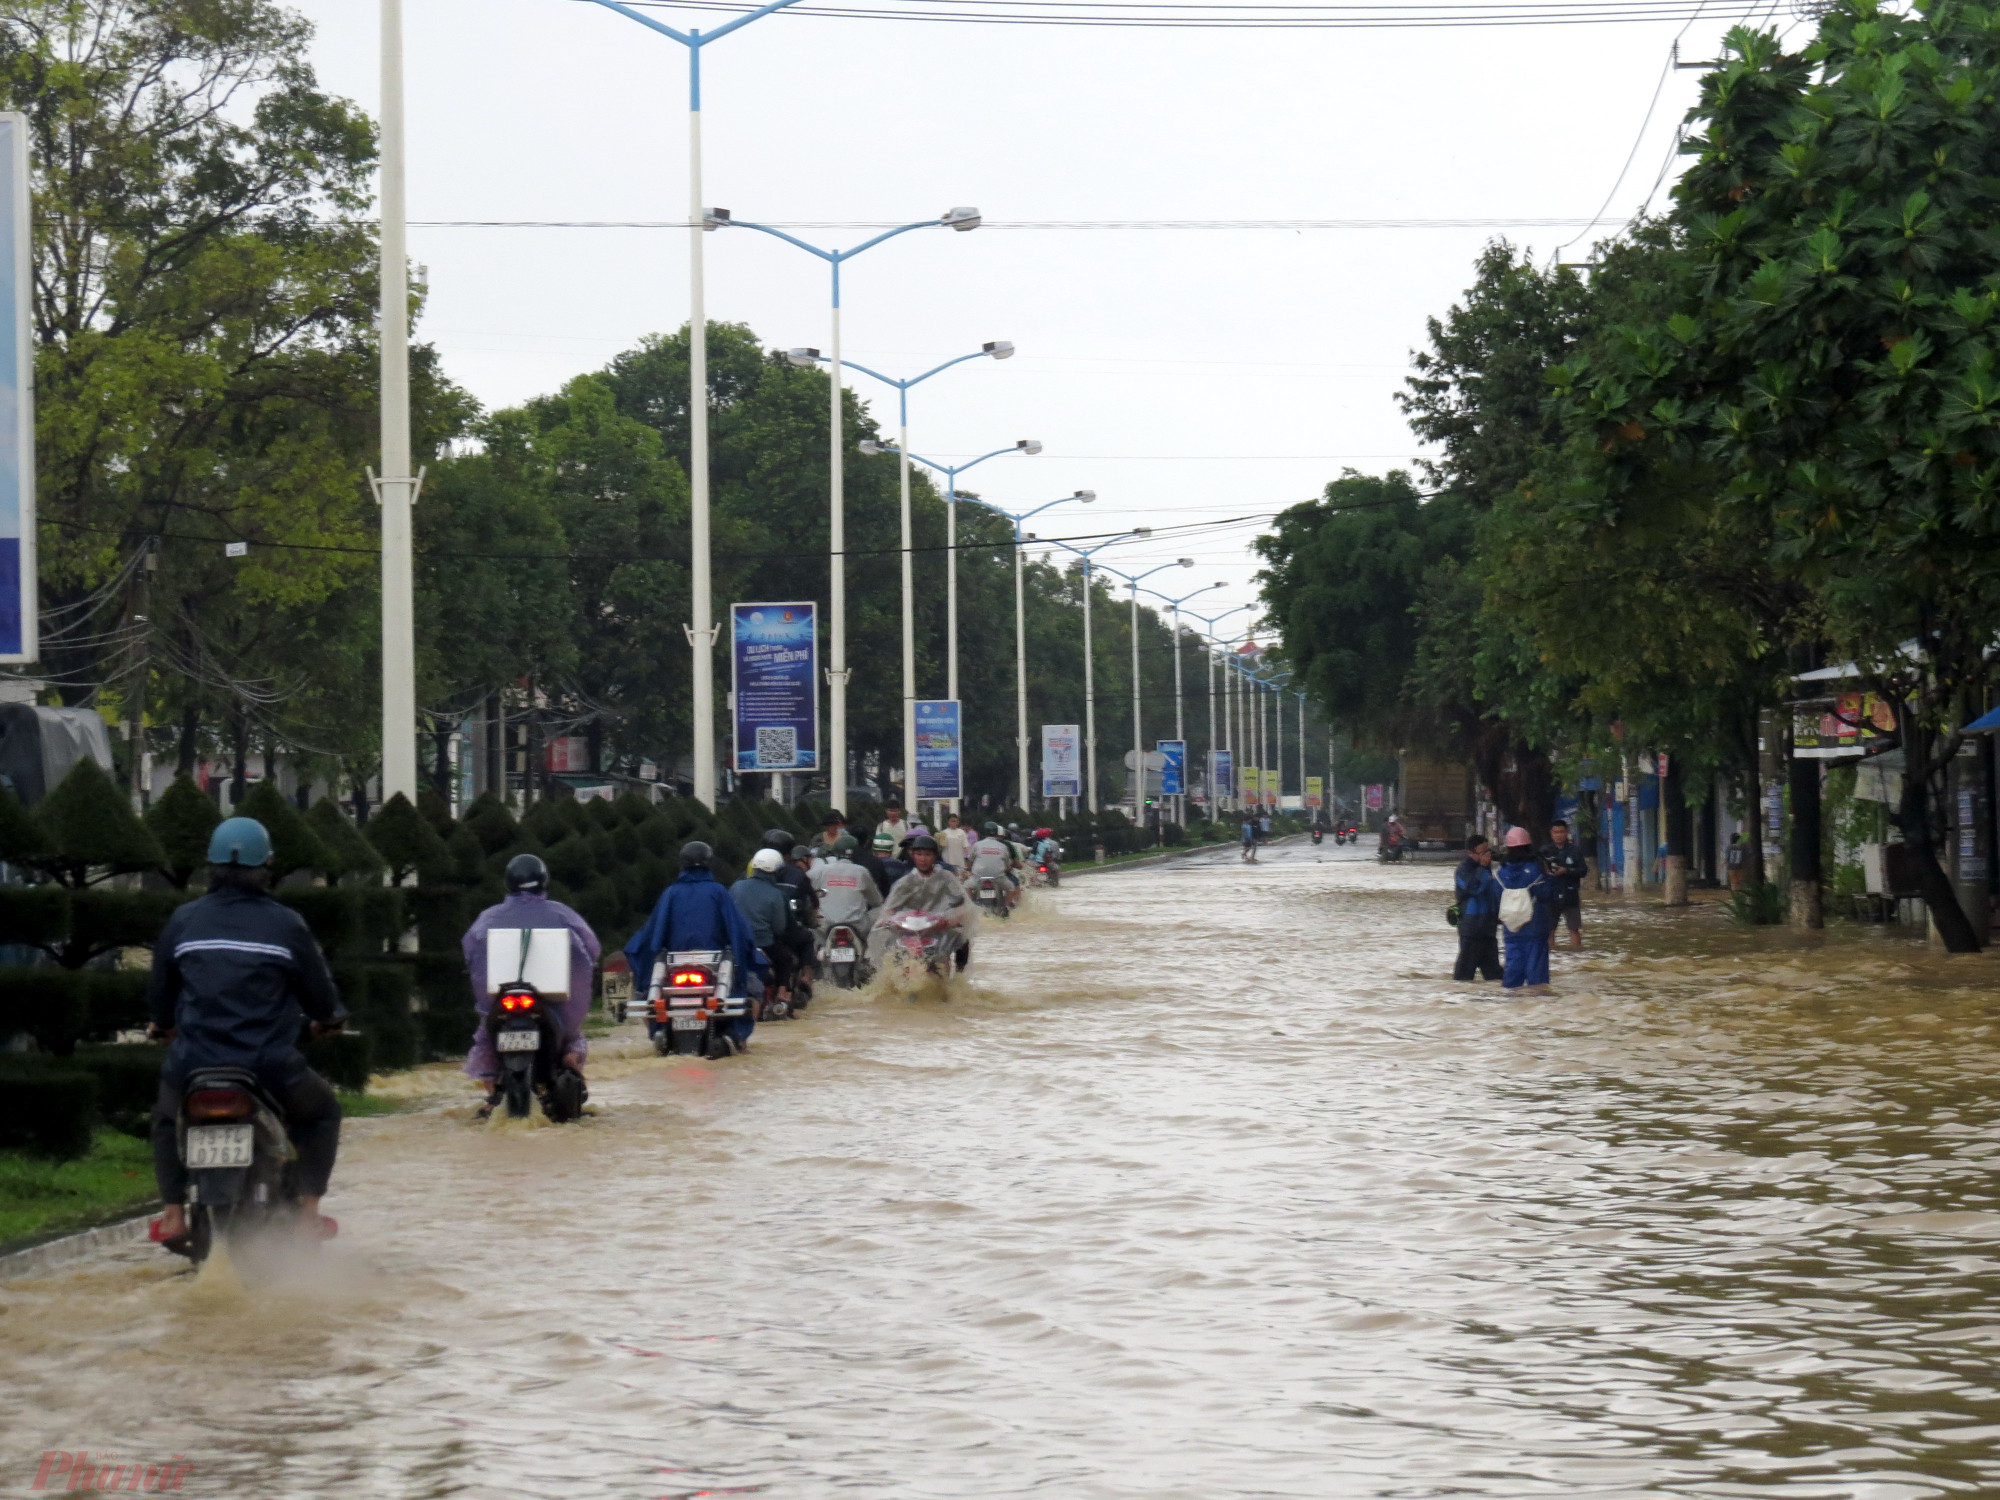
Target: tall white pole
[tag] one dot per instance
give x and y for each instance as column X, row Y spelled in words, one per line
column 1138, row 744
column 1229, row 729
column 909, row 630
column 399, row 652
column 1180, row 730
column 836, row 675
column 701, row 630
column 1089, row 696
column 1302, row 754
column 1020, row 668
column 951, row 598
column 1214, row 804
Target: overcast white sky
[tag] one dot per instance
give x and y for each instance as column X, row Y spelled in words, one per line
column 1182, row 374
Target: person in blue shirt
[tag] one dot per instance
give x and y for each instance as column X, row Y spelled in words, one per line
column 695, row 913
column 1527, row 945
column 1478, row 913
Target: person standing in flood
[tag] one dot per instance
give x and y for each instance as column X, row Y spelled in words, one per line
column 1567, row 868
column 1478, row 914
column 1527, row 914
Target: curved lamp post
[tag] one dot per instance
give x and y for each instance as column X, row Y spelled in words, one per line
column 1021, row 624
column 1138, row 744
column 1089, row 669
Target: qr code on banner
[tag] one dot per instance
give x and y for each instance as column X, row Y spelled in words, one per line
column 777, row 749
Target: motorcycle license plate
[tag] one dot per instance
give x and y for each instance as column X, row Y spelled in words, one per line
column 520, row 1041
column 221, row 1146
column 689, row 1023
column 842, row 955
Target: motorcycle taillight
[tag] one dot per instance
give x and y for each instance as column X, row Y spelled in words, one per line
column 220, row 1104
column 689, row 979
column 517, row 1000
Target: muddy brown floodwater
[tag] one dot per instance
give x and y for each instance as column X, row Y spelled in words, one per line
column 1210, row 1183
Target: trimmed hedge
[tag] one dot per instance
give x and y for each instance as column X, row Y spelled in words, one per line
column 344, row 1059
column 128, row 1082
column 46, row 1106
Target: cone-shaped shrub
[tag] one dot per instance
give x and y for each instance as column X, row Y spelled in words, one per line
column 92, row 831
column 408, row 845
column 489, row 819
column 349, row 856
column 636, row 807
column 436, row 811
column 182, row 820
column 601, row 814
column 21, row 838
column 294, row 845
column 546, row 823
column 468, row 855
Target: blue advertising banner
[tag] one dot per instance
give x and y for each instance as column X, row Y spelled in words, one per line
column 1222, row 773
column 1062, row 761
column 938, row 749
column 1173, row 771
column 774, row 669
column 18, row 594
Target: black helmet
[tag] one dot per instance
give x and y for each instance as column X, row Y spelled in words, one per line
column 696, row 855
column 777, row 838
column 526, row 872
column 799, row 852
column 922, row 841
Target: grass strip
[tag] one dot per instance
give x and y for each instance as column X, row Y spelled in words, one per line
column 41, row 1199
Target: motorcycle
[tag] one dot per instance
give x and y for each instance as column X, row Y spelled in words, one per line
column 1317, row 835
column 1389, row 851
column 926, row 938
column 989, row 897
column 1346, row 833
column 1050, row 871
column 841, row 953
column 688, row 1004
column 241, row 1168
column 527, row 1037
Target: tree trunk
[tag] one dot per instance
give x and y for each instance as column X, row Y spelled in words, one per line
column 1804, row 850
column 190, row 740
column 360, row 797
column 496, row 760
column 1753, row 832
column 239, row 781
column 441, row 733
column 1674, row 824
column 1913, row 816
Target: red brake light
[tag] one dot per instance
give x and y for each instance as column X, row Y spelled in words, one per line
column 517, row 1001
column 690, row 978
column 220, row 1104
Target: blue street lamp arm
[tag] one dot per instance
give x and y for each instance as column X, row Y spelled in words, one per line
column 694, row 38
column 832, row 257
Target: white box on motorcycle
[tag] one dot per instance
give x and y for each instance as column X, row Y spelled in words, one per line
column 528, row 955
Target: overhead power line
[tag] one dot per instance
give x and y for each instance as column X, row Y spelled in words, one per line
column 1242, row 17
column 863, row 224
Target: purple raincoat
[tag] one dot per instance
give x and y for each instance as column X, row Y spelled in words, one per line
column 529, row 909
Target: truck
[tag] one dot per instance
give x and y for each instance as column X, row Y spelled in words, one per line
column 1436, row 800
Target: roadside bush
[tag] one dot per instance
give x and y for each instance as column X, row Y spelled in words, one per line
column 128, row 1082
column 50, row 1004
column 34, row 914
column 344, row 1059
column 46, row 1106
column 91, row 830
column 1760, row 905
column 347, row 854
column 182, row 820
column 407, row 843
column 333, row 915
column 294, row 845
column 114, row 1001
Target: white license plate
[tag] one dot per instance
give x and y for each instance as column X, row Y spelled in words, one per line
column 689, row 1023
column 520, row 1041
column 843, row 955
column 220, row 1146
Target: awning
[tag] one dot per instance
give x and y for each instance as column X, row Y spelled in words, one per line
column 1986, row 723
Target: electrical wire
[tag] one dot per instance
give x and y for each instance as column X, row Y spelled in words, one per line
column 1162, row 14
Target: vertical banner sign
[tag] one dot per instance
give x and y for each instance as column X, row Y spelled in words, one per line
column 937, row 749
column 1313, row 794
column 1253, row 786
column 1173, row 769
column 774, row 669
column 1062, row 761
column 1222, row 773
column 19, row 598
column 1372, row 797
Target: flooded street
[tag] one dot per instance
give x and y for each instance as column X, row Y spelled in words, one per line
column 1211, row 1183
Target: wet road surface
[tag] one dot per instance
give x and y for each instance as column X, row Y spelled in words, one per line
column 1210, row 1183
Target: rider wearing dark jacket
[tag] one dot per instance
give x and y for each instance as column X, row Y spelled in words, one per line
column 695, row 914
column 235, row 975
column 1478, row 913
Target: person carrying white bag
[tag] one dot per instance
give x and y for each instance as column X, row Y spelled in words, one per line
column 1527, row 914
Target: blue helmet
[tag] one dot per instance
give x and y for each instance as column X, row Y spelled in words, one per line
column 239, row 841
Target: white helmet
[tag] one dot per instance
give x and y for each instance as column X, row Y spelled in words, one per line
column 767, row 860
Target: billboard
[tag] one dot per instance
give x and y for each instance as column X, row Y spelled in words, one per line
column 1222, row 773
column 774, row 671
column 1314, row 794
column 1062, row 761
column 1372, row 797
column 18, row 594
column 1173, row 767
column 1273, row 780
column 938, row 749
column 1252, row 781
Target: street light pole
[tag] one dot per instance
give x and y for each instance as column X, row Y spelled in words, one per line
column 1138, row 742
column 701, row 628
column 1180, row 727
column 836, row 672
column 1212, row 646
column 395, row 488
column 997, row 349
column 1021, row 626
column 1089, row 666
